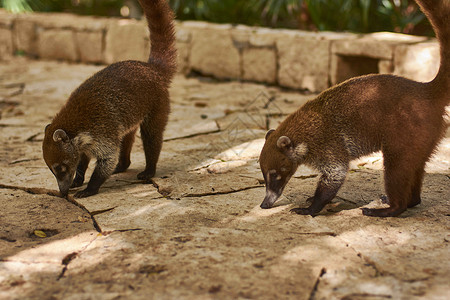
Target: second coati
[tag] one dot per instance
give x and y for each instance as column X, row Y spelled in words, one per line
column 401, row 117
column 102, row 115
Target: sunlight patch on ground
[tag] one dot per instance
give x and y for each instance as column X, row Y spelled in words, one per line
column 257, row 212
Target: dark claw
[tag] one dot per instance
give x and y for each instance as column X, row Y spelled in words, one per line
column 146, row 176
column 303, row 211
column 382, row 212
column 85, row 193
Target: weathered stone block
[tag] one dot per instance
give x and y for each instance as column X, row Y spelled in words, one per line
column 183, row 50
column 241, row 36
column 264, row 37
column 418, row 62
column 183, row 37
column 25, row 36
column 57, row 44
column 379, row 45
column 303, row 62
column 213, row 53
column 90, row 46
column 259, row 64
column 6, row 43
column 385, row 66
column 127, row 40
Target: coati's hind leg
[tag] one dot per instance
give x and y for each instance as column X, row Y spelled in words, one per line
column 398, row 180
column 329, row 184
column 81, row 171
column 125, row 150
column 417, row 187
column 152, row 129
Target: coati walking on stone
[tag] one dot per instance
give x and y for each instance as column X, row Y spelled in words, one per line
column 401, row 117
column 102, row 115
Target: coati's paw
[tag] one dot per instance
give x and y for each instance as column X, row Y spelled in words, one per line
column 146, row 176
column 121, row 167
column 303, row 211
column 382, row 212
column 78, row 181
column 414, row 201
column 85, row 193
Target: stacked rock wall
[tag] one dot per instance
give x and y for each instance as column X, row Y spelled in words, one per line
column 289, row 58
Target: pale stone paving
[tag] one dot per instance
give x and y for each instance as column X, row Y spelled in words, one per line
column 198, row 231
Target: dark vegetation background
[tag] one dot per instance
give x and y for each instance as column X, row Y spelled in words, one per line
column 333, row 15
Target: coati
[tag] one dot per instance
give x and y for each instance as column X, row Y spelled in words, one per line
column 401, row 117
column 100, row 118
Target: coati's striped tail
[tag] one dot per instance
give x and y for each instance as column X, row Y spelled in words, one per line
column 438, row 12
column 162, row 36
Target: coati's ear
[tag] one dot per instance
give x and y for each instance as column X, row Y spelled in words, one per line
column 295, row 153
column 269, row 132
column 284, row 143
column 60, row 135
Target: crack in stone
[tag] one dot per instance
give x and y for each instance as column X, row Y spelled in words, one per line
column 53, row 193
column 192, row 135
column 319, row 233
column 18, row 161
column 65, row 261
column 312, row 295
column 379, row 272
column 221, row 192
column 32, row 138
column 101, row 211
column 360, row 295
column 70, row 257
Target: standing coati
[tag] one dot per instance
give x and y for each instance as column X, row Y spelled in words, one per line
column 102, row 115
column 401, row 117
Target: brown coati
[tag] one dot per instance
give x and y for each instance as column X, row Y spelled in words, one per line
column 102, row 115
column 401, row 117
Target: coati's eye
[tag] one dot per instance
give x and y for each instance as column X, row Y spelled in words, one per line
column 58, row 169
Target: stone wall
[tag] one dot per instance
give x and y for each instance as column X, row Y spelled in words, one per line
column 289, row 58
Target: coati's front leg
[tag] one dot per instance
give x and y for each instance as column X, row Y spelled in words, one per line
column 329, row 184
column 152, row 138
column 81, row 171
column 103, row 170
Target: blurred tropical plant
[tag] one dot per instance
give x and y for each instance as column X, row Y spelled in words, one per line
column 85, row 7
column 17, row 6
column 335, row 15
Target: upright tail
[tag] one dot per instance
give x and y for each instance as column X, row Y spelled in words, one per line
column 438, row 12
column 162, row 36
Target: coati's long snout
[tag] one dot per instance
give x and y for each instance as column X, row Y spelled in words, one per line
column 278, row 166
column 270, row 199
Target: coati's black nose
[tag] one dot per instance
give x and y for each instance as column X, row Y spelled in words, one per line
column 269, row 200
column 265, row 205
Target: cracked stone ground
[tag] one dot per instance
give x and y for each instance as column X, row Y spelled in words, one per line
column 197, row 232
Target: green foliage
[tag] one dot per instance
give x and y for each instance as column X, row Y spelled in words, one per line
column 334, row 15
column 16, row 6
